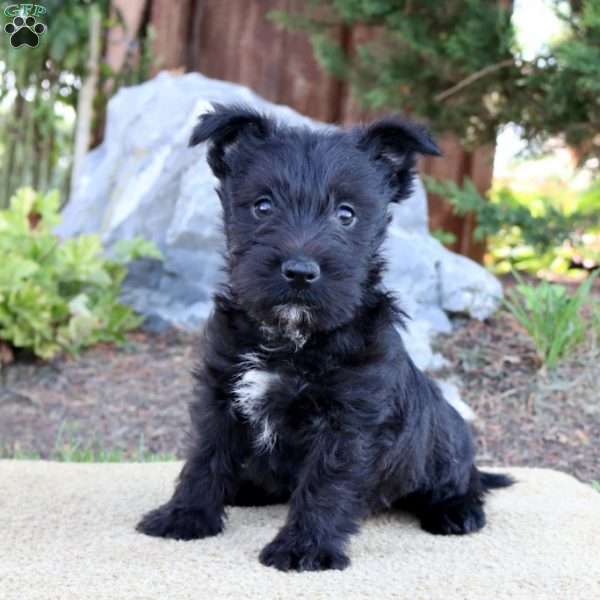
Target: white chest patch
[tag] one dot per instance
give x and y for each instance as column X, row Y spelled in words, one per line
column 250, row 393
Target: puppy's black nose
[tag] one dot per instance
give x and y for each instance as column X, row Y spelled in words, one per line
column 300, row 271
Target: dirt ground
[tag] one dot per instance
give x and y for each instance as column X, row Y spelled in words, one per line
column 134, row 398
column 128, row 398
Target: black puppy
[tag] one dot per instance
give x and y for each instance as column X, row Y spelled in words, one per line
column 306, row 393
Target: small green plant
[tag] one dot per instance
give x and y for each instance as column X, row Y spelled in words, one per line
column 550, row 315
column 59, row 295
column 596, row 485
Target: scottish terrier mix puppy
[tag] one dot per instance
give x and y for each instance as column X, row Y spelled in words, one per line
column 306, row 393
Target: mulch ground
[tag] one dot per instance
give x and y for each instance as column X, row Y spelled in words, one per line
column 525, row 415
column 134, row 398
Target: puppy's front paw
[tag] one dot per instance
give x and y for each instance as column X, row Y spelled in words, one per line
column 179, row 523
column 289, row 552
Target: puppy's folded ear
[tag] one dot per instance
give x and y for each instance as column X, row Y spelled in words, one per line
column 224, row 128
column 394, row 137
column 393, row 142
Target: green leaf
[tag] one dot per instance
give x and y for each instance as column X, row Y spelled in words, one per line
column 14, row 269
column 127, row 250
column 48, row 207
column 23, row 201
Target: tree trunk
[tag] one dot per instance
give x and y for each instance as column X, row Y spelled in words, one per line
column 85, row 100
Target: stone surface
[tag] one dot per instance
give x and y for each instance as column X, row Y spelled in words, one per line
column 68, row 534
column 451, row 392
column 144, row 180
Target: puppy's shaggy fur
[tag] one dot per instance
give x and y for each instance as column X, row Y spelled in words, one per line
column 306, row 393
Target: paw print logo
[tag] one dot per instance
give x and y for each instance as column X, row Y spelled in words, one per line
column 24, row 32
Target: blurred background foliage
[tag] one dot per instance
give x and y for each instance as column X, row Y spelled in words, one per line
column 550, row 229
column 39, row 91
column 459, row 65
column 58, row 296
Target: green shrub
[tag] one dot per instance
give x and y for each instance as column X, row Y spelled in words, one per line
column 59, row 295
column 545, row 229
column 551, row 316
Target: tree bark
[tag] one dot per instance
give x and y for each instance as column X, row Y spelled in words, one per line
column 85, row 101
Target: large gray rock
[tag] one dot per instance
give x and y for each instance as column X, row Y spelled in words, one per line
column 144, row 180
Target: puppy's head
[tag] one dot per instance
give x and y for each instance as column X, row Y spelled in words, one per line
column 305, row 211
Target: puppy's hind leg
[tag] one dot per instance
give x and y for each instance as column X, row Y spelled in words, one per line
column 462, row 513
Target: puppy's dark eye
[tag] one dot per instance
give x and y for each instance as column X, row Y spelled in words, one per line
column 263, row 207
column 345, row 215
